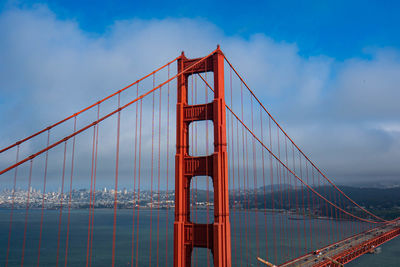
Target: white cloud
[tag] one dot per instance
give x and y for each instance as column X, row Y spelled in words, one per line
column 51, row 68
column 370, row 88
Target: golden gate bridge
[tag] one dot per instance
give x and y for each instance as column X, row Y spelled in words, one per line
column 265, row 201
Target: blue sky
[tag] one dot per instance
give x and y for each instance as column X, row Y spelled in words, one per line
column 340, row 29
column 328, row 71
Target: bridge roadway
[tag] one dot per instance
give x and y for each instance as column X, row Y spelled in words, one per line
column 348, row 249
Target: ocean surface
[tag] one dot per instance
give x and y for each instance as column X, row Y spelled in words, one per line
column 252, row 236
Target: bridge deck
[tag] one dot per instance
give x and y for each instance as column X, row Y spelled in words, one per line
column 348, row 249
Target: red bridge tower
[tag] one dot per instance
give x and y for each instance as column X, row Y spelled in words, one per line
column 187, row 235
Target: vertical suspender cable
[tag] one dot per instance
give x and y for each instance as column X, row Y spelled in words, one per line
column 321, row 207
column 116, row 183
column 159, row 173
column 167, row 176
column 272, row 192
column 191, row 147
column 26, row 213
column 296, row 191
column 70, row 196
column 43, row 198
column 233, row 172
column 207, row 178
column 314, row 210
column 138, row 193
column 331, row 215
column 247, row 187
column 308, row 206
column 196, row 153
column 151, row 175
column 255, row 180
column 336, row 216
column 90, row 197
column 303, row 207
column 289, row 207
column 244, row 180
column 239, row 191
column 94, row 187
column 12, row 207
column 279, row 181
column 191, row 151
column 61, row 203
column 134, row 179
column 264, row 189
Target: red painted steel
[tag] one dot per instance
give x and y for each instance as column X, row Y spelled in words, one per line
column 188, row 235
column 357, row 251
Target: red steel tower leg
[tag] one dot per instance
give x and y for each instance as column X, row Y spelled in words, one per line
column 187, row 235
